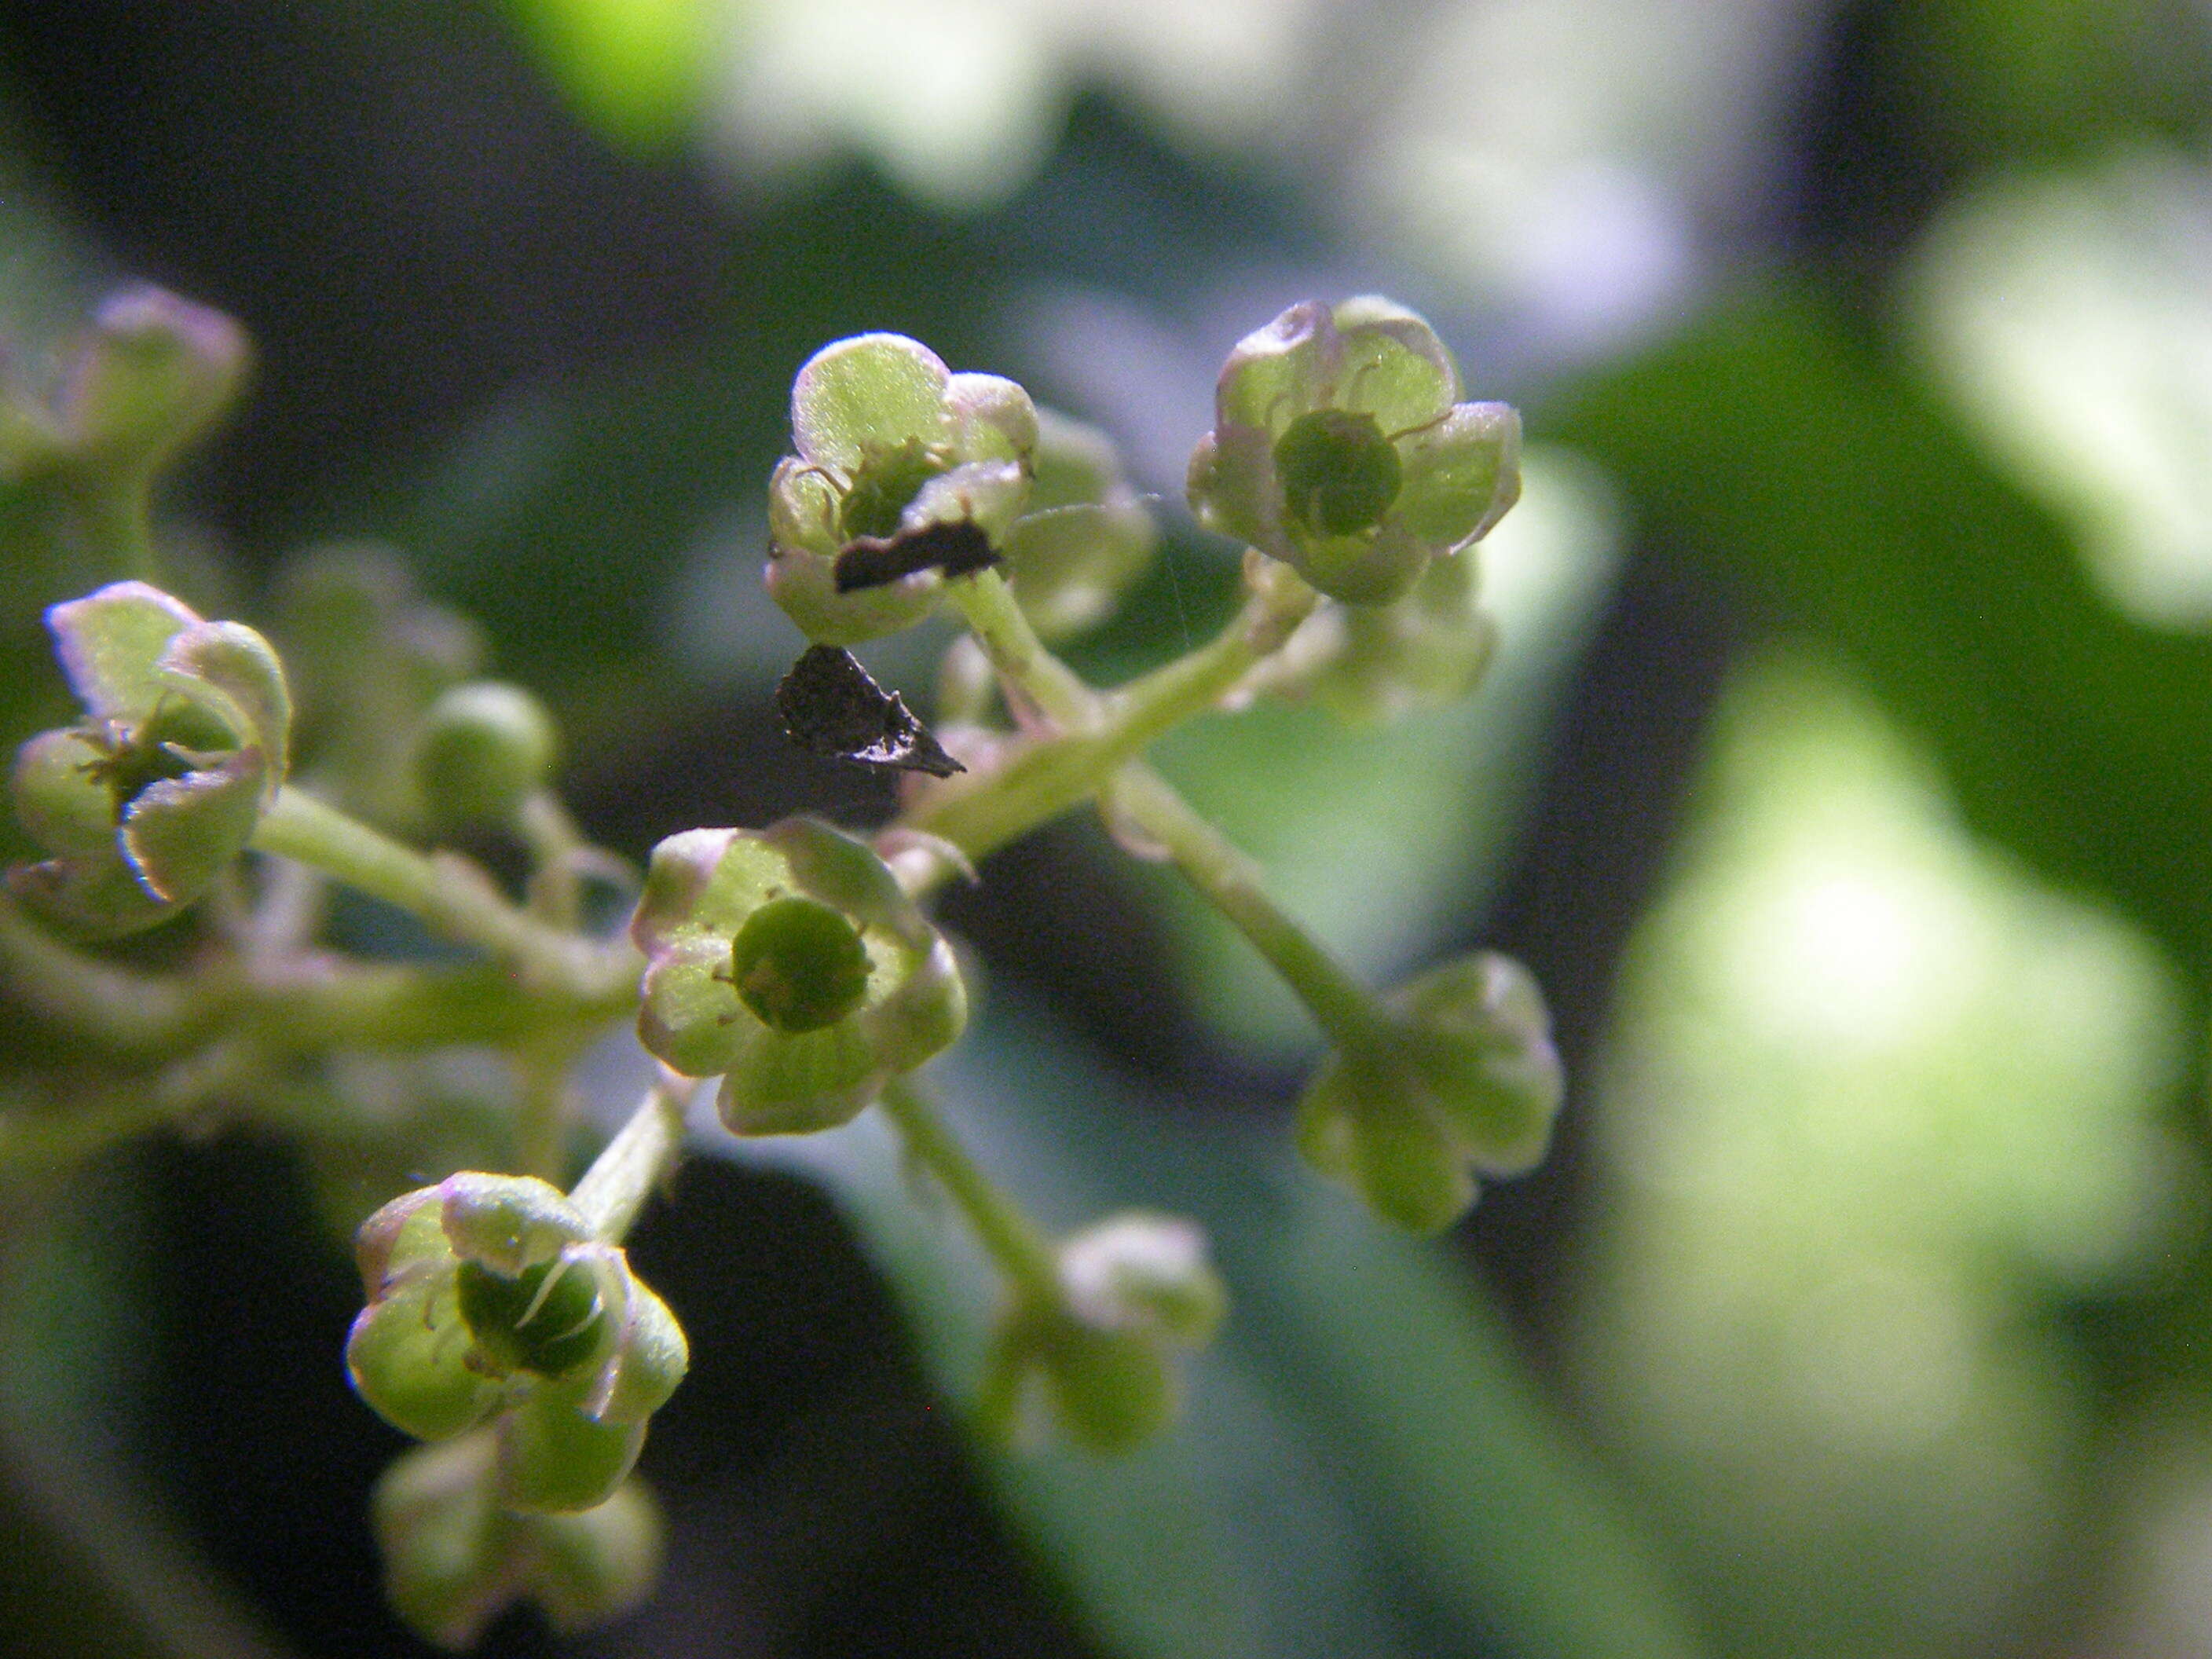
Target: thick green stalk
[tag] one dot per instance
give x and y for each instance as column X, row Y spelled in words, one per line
column 637, row 1161
column 1344, row 1008
column 1005, row 1232
column 445, row 892
column 1052, row 773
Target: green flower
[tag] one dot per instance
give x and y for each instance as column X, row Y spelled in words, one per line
column 788, row 961
column 1463, row 1081
column 143, row 803
column 488, row 1303
column 1099, row 1356
column 890, row 442
column 1339, row 446
column 455, row 1558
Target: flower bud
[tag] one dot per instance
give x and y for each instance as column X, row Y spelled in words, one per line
column 454, row 1559
column 789, row 960
column 1376, row 662
column 1133, row 1289
column 1465, row 1082
column 1340, row 447
column 1086, row 535
column 156, row 371
column 483, row 749
column 184, row 743
column 890, row 442
column 1143, row 1272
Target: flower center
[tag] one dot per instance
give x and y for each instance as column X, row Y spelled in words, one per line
column 1339, row 473
column 547, row 1319
column 883, row 484
column 799, row 965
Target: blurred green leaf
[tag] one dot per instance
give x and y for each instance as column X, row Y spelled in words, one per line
column 1771, row 442
column 636, row 69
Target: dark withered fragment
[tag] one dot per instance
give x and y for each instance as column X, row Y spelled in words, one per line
column 831, row 706
column 958, row 548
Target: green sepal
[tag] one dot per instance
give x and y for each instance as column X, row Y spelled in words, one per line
column 454, row 1559
column 867, row 396
column 410, row 1354
column 553, row 1455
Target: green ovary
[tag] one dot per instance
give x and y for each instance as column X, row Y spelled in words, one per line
column 524, row 1323
column 799, row 965
column 885, row 482
column 1339, row 473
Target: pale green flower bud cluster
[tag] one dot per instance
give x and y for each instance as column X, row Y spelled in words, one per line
column 1097, row 1356
column 1463, row 1081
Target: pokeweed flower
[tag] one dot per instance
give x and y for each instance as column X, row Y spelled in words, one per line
column 1464, row 1080
column 1131, row 1291
column 896, row 456
column 455, row 1558
column 183, row 747
column 789, row 962
column 1341, row 446
column 488, row 1303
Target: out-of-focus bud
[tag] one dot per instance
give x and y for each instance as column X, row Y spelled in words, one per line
column 1086, row 536
column 789, row 960
column 156, row 371
column 454, row 1559
column 484, row 747
column 1465, row 1082
column 1376, row 662
column 1133, row 1289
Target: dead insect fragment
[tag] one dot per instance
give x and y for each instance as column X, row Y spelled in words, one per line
column 831, row 706
column 958, row 547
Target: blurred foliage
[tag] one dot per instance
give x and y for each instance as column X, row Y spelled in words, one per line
column 1885, row 324
column 1875, row 1106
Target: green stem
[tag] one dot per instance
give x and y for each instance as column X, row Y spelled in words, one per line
column 990, row 609
column 1006, row 1233
column 448, row 893
column 637, row 1161
column 48, row 1141
column 545, row 1106
column 1053, row 773
column 1344, row 1008
column 556, row 849
column 116, row 1007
